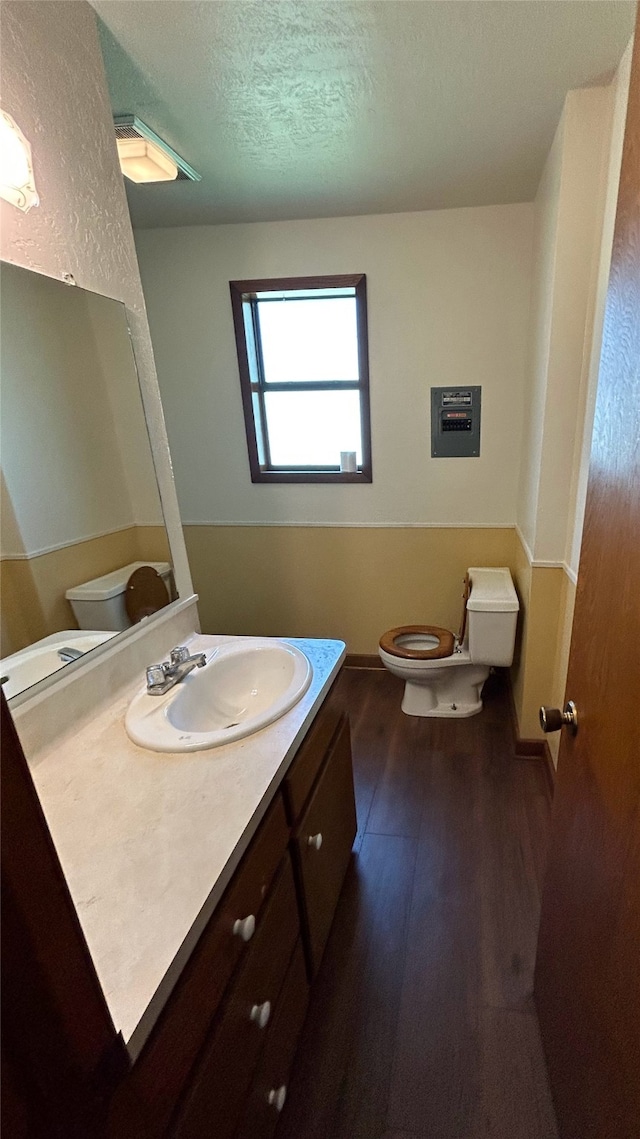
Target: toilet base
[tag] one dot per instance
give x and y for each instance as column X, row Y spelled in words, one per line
column 447, row 701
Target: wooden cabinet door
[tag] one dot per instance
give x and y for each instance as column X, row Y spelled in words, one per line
column 214, row 1102
column 322, row 845
column 167, row 1059
column 269, row 1087
column 301, row 776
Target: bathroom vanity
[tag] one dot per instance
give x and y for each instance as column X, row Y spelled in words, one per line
column 205, row 886
column 218, row 1059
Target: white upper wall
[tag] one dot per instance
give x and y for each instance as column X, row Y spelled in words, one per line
column 60, row 453
column 75, row 450
column 618, row 96
column 545, row 236
column 571, row 257
column 587, row 123
column 114, row 350
column 448, row 303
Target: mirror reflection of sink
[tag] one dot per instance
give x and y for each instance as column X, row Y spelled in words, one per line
column 46, row 656
column 245, row 685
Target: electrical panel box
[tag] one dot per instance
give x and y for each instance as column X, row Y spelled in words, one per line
column 455, row 422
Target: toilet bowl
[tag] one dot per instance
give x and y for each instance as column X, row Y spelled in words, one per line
column 443, row 673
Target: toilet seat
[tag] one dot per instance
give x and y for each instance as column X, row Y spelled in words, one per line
column 446, row 640
column 444, row 647
column 145, row 594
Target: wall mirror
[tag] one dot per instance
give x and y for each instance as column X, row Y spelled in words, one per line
column 79, row 493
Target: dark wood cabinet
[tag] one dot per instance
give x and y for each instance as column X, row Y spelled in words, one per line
column 322, row 843
column 269, row 1088
column 214, row 1101
column 219, row 1058
column 167, row 1058
column 311, row 756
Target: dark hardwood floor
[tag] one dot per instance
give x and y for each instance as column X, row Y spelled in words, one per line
column 422, row 1024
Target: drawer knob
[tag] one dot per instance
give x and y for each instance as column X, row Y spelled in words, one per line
column 315, row 840
column 260, row 1014
column 245, row 927
column 277, row 1097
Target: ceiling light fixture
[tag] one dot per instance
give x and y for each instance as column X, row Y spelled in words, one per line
column 145, row 157
column 17, row 183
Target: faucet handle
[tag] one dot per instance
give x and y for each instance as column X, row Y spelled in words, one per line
column 155, row 675
column 179, row 655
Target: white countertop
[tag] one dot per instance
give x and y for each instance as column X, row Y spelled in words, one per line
column 148, row 841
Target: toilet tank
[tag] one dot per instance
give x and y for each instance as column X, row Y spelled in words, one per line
column 100, row 603
column 492, row 615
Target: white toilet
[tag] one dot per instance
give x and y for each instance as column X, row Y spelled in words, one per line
column 101, row 602
column 444, row 674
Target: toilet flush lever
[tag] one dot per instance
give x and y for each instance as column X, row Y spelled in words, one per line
column 552, row 719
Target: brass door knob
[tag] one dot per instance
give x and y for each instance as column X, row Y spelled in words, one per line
column 552, row 719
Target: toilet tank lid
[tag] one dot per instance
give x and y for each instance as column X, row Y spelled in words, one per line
column 111, row 584
column 492, row 590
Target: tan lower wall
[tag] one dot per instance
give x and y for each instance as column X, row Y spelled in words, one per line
column 565, row 627
column 33, row 589
column 152, row 544
column 539, row 672
column 351, row 583
column 522, row 571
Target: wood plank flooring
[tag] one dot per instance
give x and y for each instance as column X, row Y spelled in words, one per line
column 422, row 1024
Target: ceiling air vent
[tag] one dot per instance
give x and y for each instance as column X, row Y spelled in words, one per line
column 145, row 157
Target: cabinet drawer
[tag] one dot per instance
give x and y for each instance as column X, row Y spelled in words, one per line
column 164, row 1065
column 269, row 1086
column 303, row 771
column 322, row 844
column 214, row 1101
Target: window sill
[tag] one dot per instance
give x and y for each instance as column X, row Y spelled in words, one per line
column 311, row 477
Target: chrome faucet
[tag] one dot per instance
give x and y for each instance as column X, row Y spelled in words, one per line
column 67, row 655
column 162, row 677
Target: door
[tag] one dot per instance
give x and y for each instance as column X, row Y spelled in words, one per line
column 588, row 967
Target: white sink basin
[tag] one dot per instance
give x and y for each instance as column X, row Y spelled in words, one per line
column 244, row 686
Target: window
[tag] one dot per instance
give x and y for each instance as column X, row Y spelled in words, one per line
column 304, row 374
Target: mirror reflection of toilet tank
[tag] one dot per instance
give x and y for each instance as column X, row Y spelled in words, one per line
column 455, row 422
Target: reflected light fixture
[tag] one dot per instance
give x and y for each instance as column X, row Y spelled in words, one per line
column 17, row 183
column 145, row 157
column 143, row 161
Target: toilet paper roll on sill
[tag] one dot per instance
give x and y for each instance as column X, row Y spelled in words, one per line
column 348, row 462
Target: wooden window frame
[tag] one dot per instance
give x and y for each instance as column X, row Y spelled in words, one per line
column 253, row 384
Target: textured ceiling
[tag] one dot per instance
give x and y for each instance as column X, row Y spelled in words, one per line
column 297, row 108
